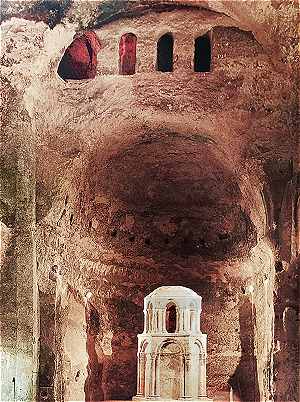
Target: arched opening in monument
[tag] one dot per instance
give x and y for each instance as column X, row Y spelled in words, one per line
column 127, row 54
column 165, row 46
column 79, row 61
column 171, row 371
column 171, row 318
column 202, row 54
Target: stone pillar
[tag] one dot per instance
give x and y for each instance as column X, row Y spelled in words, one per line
column 19, row 290
column 153, row 369
column 148, row 375
column 202, row 376
column 157, row 321
column 153, row 319
column 27, row 289
column 187, row 319
column 146, row 321
column 181, row 320
column 160, row 320
column 157, row 376
column 142, row 374
column 164, row 320
column 187, row 376
column 138, row 380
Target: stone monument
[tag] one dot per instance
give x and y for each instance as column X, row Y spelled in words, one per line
column 172, row 349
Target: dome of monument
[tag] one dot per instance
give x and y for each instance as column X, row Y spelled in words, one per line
column 180, row 295
column 172, row 292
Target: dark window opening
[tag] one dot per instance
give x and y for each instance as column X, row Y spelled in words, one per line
column 171, row 318
column 127, row 54
column 165, row 46
column 79, row 61
column 202, row 56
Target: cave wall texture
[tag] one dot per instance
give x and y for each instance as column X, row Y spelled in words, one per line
column 114, row 185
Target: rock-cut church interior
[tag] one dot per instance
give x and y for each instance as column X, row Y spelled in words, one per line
column 150, row 208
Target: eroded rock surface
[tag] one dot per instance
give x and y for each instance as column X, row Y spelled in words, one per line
column 118, row 184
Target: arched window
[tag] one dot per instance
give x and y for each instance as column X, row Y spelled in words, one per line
column 127, row 54
column 202, row 56
column 79, row 61
column 165, row 46
column 171, row 318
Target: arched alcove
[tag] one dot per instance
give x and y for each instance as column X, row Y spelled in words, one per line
column 171, row 371
column 79, row 61
column 165, row 46
column 202, row 54
column 171, row 318
column 127, row 54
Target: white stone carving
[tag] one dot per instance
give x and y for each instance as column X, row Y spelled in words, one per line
column 172, row 349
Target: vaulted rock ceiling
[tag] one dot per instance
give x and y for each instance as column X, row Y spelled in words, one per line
column 124, row 184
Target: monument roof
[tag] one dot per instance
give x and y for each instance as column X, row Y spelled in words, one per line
column 173, row 292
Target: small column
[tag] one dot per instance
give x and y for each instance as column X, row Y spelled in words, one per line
column 153, row 369
column 138, row 376
column 157, row 376
column 164, row 320
column 153, row 321
column 160, row 320
column 202, row 376
column 142, row 373
column 187, row 319
column 181, row 320
column 187, row 376
column 146, row 321
column 148, row 375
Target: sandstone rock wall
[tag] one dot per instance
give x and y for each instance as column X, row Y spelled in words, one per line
column 120, row 184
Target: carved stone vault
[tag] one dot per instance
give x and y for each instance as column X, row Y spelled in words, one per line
column 148, row 144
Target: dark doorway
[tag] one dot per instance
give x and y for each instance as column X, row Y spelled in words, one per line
column 171, row 318
column 202, row 56
column 127, row 54
column 79, row 61
column 165, row 46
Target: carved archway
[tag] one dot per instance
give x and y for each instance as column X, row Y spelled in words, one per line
column 127, row 54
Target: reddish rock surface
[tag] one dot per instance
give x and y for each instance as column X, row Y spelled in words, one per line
column 79, row 61
column 116, row 185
